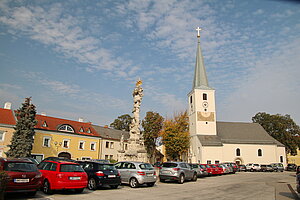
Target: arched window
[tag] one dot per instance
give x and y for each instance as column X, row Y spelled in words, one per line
column 204, row 96
column 259, row 152
column 66, row 128
column 238, row 152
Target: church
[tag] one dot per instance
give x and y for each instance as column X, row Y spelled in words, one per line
column 214, row 142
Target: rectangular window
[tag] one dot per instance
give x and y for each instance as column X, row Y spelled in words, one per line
column 106, row 157
column 217, row 162
column 2, row 135
column 93, row 146
column 204, row 96
column 66, row 144
column 81, row 145
column 208, row 162
column 126, row 147
column 46, row 141
column 111, row 145
column 191, row 99
column 111, row 157
column 85, row 158
column 281, row 159
column 107, row 144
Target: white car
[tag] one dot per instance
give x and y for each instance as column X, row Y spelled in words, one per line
column 252, row 167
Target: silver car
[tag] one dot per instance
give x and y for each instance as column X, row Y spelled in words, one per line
column 136, row 173
column 178, row 171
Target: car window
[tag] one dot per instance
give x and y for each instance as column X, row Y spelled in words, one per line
column 131, row 166
column 41, row 165
column 70, row 168
column 169, row 165
column 183, row 165
column 118, row 165
column 106, row 167
column 87, row 166
column 146, row 166
column 20, row 167
column 53, row 167
column 46, row 166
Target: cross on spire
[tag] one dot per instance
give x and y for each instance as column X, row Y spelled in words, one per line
column 198, row 29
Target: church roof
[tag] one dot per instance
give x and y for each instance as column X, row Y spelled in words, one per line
column 200, row 78
column 109, row 133
column 238, row 133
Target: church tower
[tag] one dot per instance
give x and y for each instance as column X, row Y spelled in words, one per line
column 201, row 100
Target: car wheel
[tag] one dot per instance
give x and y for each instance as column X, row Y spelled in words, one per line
column 114, row 186
column 80, row 190
column 133, row 182
column 92, row 184
column 150, row 184
column 162, row 180
column 181, row 179
column 194, row 177
column 47, row 188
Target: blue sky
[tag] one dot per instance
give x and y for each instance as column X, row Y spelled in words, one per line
column 82, row 58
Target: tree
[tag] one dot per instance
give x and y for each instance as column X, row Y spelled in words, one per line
column 122, row 122
column 282, row 128
column 23, row 137
column 152, row 125
column 175, row 136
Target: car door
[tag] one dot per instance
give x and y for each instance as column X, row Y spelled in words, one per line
column 190, row 171
column 122, row 167
column 48, row 169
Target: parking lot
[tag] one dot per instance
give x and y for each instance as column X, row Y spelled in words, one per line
column 242, row 185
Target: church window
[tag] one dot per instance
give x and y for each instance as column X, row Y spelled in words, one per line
column 107, row 144
column 111, row 145
column 204, row 96
column 126, row 147
column 259, row 152
column 208, row 162
column 191, row 99
column 238, row 152
column 66, row 128
column 281, row 159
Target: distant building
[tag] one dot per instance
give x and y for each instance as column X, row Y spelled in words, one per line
column 216, row 142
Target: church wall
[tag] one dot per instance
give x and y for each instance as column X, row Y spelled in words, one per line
column 196, row 153
column 212, row 153
column 281, row 152
column 249, row 153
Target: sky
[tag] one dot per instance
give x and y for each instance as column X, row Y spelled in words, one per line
column 81, row 59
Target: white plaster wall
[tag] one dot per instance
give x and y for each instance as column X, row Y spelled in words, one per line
column 110, row 151
column 212, row 153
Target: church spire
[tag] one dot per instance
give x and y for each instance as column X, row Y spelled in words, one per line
column 200, row 78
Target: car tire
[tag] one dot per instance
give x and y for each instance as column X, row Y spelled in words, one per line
column 133, row 182
column 47, row 187
column 162, row 180
column 92, row 185
column 78, row 191
column 194, row 177
column 114, row 186
column 181, row 179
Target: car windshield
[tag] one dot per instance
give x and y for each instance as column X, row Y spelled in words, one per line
column 20, row 167
column 207, row 166
column 71, row 168
column 146, row 166
column 169, row 165
column 106, row 167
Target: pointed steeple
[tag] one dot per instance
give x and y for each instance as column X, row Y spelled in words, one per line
column 200, row 78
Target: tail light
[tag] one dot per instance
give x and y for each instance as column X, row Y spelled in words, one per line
column 99, row 173
column 119, row 174
column 176, row 169
column 141, row 173
column 154, row 173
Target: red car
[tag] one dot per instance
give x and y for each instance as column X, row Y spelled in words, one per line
column 62, row 175
column 216, row 170
column 209, row 169
column 24, row 175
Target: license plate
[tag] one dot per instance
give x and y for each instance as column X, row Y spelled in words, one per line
column 149, row 174
column 111, row 176
column 21, row 180
column 74, row 178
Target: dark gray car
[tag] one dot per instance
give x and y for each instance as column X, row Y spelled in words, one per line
column 179, row 171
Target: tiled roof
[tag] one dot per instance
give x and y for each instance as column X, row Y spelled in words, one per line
column 53, row 124
column 7, row 117
column 109, row 133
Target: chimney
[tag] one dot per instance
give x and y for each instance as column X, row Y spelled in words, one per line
column 7, row 105
column 80, row 119
column 43, row 113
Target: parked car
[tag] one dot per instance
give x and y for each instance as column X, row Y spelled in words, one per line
column 32, row 160
column 24, row 175
column 234, row 166
column 224, row 168
column 230, row 167
column 101, row 174
column 278, row 167
column 297, row 170
column 266, row 168
column 252, row 167
column 203, row 169
column 179, row 171
column 208, row 168
column 198, row 169
column 242, row 168
column 62, row 175
column 298, row 182
column 291, row 167
column 136, row 173
column 216, row 170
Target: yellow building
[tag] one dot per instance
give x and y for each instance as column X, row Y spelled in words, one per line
column 7, row 123
column 294, row 159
